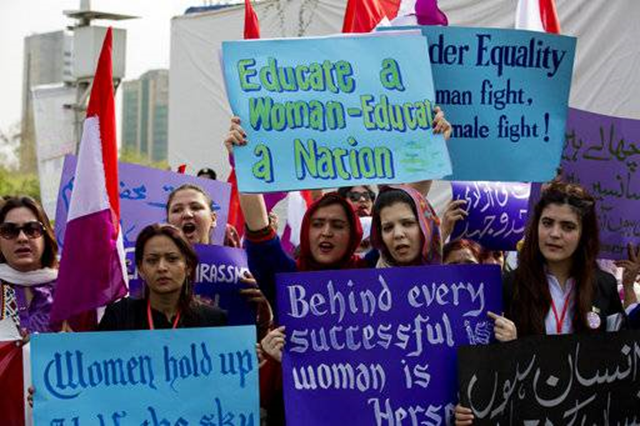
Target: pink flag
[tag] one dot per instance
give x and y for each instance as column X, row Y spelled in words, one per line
column 92, row 268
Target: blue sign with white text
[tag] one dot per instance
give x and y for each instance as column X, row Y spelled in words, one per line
column 206, row 376
column 333, row 111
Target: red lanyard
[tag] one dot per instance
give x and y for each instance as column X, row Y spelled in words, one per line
column 560, row 321
column 150, row 317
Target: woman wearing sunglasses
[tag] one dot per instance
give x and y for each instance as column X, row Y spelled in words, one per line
column 28, row 264
column 360, row 197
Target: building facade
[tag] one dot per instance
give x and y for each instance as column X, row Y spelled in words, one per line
column 48, row 59
column 145, row 114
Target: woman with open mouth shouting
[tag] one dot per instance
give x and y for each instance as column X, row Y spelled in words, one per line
column 28, row 264
column 329, row 236
column 189, row 208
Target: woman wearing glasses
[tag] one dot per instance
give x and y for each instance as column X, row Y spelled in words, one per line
column 28, row 264
column 360, row 197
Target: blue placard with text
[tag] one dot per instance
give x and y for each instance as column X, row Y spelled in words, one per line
column 506, row 94
column 206, row 376
column 333, row 111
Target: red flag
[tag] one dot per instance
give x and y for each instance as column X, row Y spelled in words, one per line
column 537, row 15
column 251, row 31
column 11, row 383
column 235, row 212
column 251, row 23
column 182, row 168
column 549, row 16
column 92, row 268
column 362, row 16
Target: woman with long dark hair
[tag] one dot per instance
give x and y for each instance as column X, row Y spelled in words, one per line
column 557, row 287
column 167, row 263
column 28, row 264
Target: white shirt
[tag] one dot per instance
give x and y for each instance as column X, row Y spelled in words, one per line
column 559, row 297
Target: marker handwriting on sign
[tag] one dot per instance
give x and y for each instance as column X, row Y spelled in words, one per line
column 312, row 159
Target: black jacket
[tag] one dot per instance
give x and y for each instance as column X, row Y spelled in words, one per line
column 606, row 299
column 131, row 314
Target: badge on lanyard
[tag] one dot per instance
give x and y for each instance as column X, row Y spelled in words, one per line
column 593, row 318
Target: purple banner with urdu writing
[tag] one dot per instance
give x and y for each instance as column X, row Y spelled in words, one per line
column 497, row 213
column 143, row 198
column 602, row 153
column 381, row 343
column 217, row 281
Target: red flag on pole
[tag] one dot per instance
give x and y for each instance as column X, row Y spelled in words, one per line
column 251, row 23
column 11, row 383
column 362, row 16
column 537, row 15
column 251, row 31
column 92, row 268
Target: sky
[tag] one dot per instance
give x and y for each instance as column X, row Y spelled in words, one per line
column 148, row 38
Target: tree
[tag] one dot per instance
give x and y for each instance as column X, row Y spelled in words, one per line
column 128, row 155
column 9, row 145
column 12, row 181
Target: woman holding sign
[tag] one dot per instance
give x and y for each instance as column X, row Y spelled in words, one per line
column 167, row 263
column 557, row 287
column 329, row 236
column 189, row 208
column 28, row 264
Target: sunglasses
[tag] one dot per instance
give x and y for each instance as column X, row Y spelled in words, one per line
column 356, row 196
column 10, row 231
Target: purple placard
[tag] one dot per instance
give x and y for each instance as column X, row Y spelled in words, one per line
column 143, row 197
column 367, row 346
column 497, row 213
column 602, row 153
column 217, row 281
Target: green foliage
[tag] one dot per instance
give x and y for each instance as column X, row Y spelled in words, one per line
column 14, row 183
column 128, row 155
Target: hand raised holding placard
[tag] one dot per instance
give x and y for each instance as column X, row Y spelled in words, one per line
column 463, row 416
column 236, row 135
column 504, row 329
column 273, row 343
column 455, row 211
